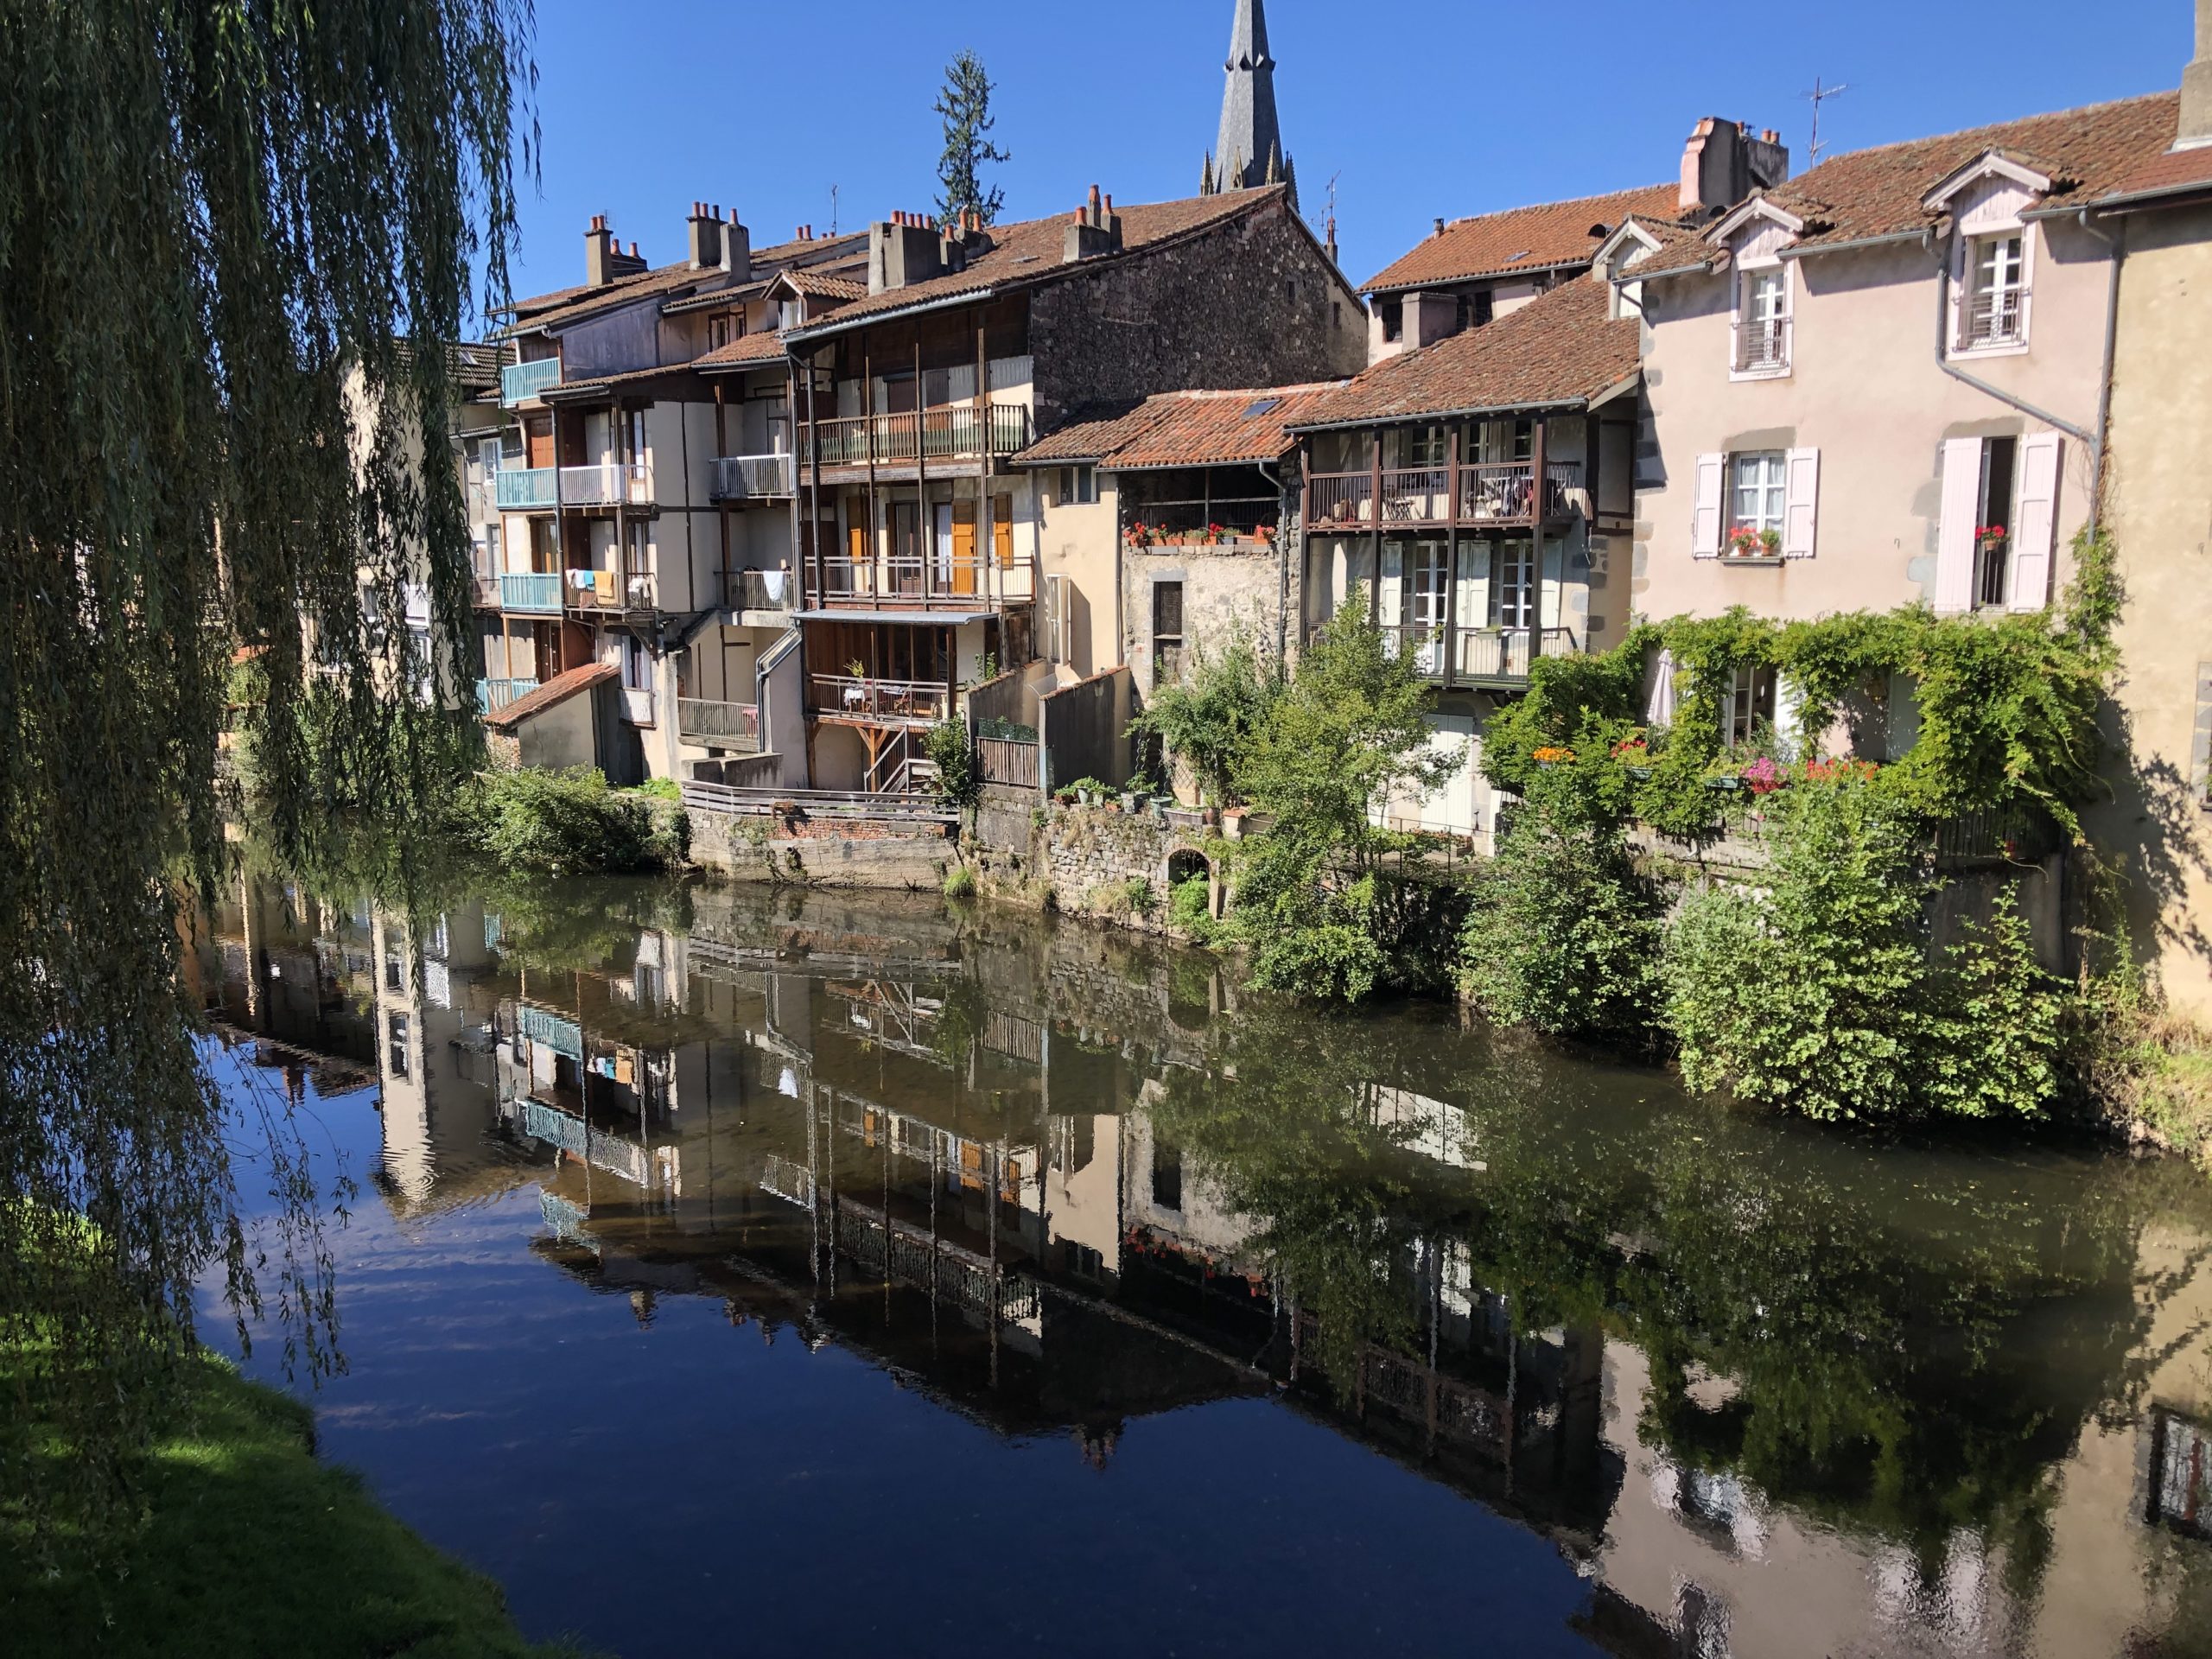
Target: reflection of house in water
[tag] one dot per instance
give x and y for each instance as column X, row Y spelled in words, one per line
column 275, row 967
column 951, row 1155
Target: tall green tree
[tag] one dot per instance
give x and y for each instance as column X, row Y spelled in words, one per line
column 964, row 104
column 237, row 243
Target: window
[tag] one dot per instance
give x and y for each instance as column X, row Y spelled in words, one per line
column 394, row 979
column 1500, row 443
column 1336, row 314
column 1418, row 449
column 1166, row 1175
column 1475, row 311
column 1078, row 485
column 1393, row 321
column 1995, row 314
column 637, row 665
column 1758, row 498
column 719, row 332
column 1992, row 522
column 1763, row 322
column 637, row 425
column 1512, row 588
column 1166, row 631
column 1747, row 708
column 395, row 1054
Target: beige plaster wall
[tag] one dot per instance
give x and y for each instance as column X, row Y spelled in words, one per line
column 2158, row 496
column 1079, row 543
column 1866, row 391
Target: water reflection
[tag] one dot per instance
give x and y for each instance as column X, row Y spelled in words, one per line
column 1765, row 1390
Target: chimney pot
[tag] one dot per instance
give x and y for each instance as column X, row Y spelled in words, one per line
column 1439, row 224
column 1093, row 198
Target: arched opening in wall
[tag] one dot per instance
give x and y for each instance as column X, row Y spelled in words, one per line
column 1190, row 976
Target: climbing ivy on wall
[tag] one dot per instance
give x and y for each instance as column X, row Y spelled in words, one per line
column 2006, row 707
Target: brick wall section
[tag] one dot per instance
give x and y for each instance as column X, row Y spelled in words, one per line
column 1216, row 311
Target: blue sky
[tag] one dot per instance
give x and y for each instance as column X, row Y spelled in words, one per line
column 1417, row 107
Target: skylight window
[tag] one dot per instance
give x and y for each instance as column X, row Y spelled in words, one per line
column 1265, row 406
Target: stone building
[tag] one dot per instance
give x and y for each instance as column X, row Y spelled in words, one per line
column 927, row 569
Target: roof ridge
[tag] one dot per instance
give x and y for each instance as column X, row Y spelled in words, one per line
column 1560, row 201
column 2097, row 108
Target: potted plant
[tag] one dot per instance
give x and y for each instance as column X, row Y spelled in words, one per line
column 1634, row 753
column 1552, row 755
column 1748, row 542
column 1989, row 539
column 1763, row 777
column 1232, row 822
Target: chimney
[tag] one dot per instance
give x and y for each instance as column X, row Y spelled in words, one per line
column 599, row 253
column 737, row 248
column 1094, row 229
column 1332, row 240
column 1439, row 225
column 902, row 251
column 2197, row 87
column 708, row 248
column 1723, row 164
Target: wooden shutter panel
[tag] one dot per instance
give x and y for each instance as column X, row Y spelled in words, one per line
column 1802, row 470
column 1705, row 512
column 963, row 547
column 2035, row 523
column 1954, row 534
column 1002, row 529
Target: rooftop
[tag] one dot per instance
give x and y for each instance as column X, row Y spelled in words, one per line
column 557, row 689
column 1185, row 429
column 1030, row 252
column 1544, row 237
column 1562, row 348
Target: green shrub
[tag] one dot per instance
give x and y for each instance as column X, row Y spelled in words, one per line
column 1322, row 947
column 960, row 882
column 566, row 823
column 1565, row 932
column 1190, row 910
column 1819, row 996
column 661, row 789
column 1143, row 901
column 1207, row 720
column 959, row 779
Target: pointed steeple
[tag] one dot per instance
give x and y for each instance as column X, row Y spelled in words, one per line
column 1206, row 187
column 1249, row 132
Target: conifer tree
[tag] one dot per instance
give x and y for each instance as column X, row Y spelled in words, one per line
column 965, row 105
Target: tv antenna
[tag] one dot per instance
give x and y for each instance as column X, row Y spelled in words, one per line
column 1819, row 96
column 833, row 210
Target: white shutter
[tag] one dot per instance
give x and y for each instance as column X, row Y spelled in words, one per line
column 1790, row 718
column 1954, row 535
column 1659, row 710
column 1705, row 512
column 1550, row 571
column 1474, row 585
column 1803, row 471
column 2035, row 524
column 1961, row 279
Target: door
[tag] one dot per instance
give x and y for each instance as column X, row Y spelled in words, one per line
column 537, row 441
column 905, row 547
column 1428, row 583
column 961, row 549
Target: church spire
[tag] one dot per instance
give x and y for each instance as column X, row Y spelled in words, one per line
column 1249, row 133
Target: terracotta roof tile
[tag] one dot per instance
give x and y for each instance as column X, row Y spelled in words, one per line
column 1876, row 192
column 557, row 689
column 1031, row 251
column 823, row 284
column 746, row 350
column 1187, row 429
column 2176, row 171
column 1548, row 235
column 1561, row 348
column 574, row 304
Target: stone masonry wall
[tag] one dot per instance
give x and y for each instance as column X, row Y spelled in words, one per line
column 1079, row 860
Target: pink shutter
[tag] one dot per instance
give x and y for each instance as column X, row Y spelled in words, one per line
column 1705, row 512
column 1802, row 472
column 2035, row 524
column 1954, row 534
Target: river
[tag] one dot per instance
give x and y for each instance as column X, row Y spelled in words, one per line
column 737, row 1271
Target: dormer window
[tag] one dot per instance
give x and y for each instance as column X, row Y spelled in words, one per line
column 1995, row 315
column 1393, row 321
column 1762, row 331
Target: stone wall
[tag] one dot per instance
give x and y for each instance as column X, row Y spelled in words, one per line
column 1253, row 301
column 833, row 853
column 1080, row 860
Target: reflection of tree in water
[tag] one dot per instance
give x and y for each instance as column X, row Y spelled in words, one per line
column 1913, row 1339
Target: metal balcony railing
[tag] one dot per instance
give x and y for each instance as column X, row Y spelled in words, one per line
column 1763, row 346
column 611, row 590
column 491, row 695
column 562, row 1036
column 752, row 478
column 1488, row 492
column 606, row 485
column 1505, row 654
column 529, row 489
column 763, row 590
column 534, row 593
column 719, row 725
column 947, row 581
column 1994, row 317
column 520, row 381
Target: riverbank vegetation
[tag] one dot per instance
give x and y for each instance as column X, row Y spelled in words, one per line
column 237, row 1542
column 568, row 823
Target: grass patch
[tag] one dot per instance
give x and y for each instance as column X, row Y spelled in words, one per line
column 2166, row 1069
column 242, row 1543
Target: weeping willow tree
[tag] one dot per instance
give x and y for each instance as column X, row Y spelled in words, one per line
column 238, row 241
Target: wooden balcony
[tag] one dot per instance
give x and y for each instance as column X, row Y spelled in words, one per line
column 949, row 582
column 867, row 700
column 750, row 478
column 919, row 439
column 610, row 593
column 734, row 725
column 1486, row 495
